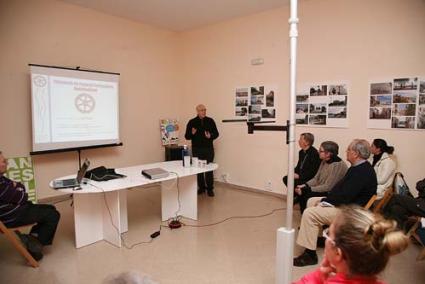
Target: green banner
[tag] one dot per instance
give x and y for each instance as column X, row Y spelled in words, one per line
column 21, row 169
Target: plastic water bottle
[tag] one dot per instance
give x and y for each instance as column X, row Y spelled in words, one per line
column 186, row 156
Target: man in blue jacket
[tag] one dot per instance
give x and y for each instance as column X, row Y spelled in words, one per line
column 356, row 187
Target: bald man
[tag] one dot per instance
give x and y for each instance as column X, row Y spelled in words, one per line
column 202, row 131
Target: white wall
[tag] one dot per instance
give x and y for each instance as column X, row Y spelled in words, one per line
column 55, row 33
column 338, row 40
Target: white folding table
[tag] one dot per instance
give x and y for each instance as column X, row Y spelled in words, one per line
column 91, row 214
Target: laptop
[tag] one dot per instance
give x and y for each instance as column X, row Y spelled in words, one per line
column 72, row 182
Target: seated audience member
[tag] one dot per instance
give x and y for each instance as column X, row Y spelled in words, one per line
column 356, row 187
column 357, row 248
column 383, row 164
column 331, row 170
column 308, row 161
column 16, row 210
column 401, row 207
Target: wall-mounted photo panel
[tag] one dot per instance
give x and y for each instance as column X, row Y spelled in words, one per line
column 397, row 103
column 322, row 105
column 256, row 103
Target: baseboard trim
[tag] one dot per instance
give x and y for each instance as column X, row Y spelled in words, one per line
column 251, row 189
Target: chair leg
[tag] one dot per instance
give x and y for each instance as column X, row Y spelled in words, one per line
column 21, row 249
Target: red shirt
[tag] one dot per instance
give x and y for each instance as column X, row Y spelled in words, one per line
column 315, row 277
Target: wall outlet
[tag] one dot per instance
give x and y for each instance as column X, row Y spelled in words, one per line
column 225, row 177
column 268, row 185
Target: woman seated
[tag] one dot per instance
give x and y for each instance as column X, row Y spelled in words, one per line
column 331, row 170
column 383, row 164
column 358, row 247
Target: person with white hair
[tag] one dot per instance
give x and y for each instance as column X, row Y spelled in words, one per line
column 202, row 131
column 356, row 187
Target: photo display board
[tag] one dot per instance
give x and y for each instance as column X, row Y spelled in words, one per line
column 322, row 105
column 397, row 103
column 255, row 103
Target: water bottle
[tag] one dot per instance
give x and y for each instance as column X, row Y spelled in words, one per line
column 186, row 156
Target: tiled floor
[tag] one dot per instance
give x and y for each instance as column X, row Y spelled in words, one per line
column 236, row 251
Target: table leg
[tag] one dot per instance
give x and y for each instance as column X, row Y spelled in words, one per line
column 186, row 194
column 114, row 217
column 97, row 220
column 88, row 219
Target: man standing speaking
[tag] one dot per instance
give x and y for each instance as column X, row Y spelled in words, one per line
column 202, row 131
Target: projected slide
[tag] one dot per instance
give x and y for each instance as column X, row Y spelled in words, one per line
column 82, row 109
column 72, row 111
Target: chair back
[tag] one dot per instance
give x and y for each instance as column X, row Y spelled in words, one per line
column 370, row 202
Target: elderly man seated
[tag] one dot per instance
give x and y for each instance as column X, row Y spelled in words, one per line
column 332, row 169
column 356, row 187
column 16, row 210
column 308, row 160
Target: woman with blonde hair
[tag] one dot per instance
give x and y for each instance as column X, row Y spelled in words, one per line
column 358, row 247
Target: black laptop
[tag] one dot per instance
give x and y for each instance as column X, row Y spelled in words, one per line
column 72, row 182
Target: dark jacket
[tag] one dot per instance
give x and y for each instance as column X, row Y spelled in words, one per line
column 12, row 199
column 356, row 187
column 308, row 164
column 201, row 125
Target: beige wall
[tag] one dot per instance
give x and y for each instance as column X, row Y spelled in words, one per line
column 338, row 40
column 56, row 33
column 165, row 74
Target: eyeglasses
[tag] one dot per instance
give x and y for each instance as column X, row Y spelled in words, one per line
column 326, row 236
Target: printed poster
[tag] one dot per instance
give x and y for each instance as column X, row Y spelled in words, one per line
column 21, row 170
column 255, row 103
column 397, row 103
column 322, row 105
column 169, row 131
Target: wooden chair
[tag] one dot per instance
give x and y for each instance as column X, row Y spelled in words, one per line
column 382, row 202
column 412, row 234
column 12, row 237
column 370, row 202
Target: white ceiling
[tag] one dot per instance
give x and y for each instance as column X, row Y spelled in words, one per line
column 179, row 15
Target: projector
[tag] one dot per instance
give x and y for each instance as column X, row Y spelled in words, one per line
column 155, row 173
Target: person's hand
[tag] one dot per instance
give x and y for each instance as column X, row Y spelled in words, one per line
column 298, row 190
column 296, row 176
column 207, row 134
column 317, row 202
column 326, row 269
column 194, row 130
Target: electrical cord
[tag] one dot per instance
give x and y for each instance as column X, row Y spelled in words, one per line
column 235, row 217
column 177, row 218
column 178, row 197
column 105, row 175
column 129, row 247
